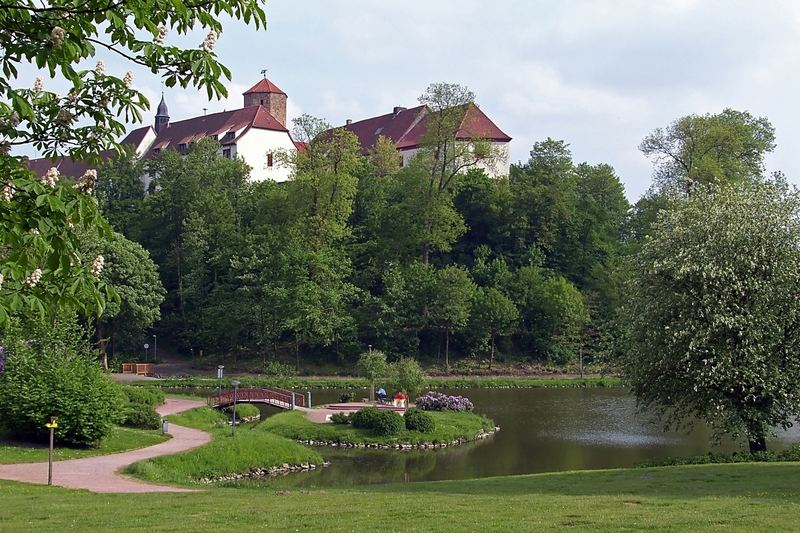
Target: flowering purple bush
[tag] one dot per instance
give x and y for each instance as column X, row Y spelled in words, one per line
column 436, row 401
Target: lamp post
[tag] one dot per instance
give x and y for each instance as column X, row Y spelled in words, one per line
column 146, row 346
column 155, row 348
column 219, row 382
column 233, row 422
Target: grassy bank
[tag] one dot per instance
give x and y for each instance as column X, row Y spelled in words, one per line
column 449, row 426
column 119, row 440
column 226, row 454
column 739, row 497
column 449, row 382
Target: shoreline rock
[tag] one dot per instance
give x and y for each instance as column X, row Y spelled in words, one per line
column 260, row 473
column 398, row 446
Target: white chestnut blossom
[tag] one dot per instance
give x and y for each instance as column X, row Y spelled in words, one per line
column 8, row 192
column 100, row 68
column 128, row 79
column 57, row 36
column 35, row 231
column 50, row 178
column 34, row 278
column 38, row 85
column 97, row 265
column 86, row 182
column 210, row 41
column 1, row 281
column 72, row 97
column 162, row 35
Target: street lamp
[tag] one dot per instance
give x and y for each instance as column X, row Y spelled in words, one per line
column 233, row 423
column 155, row 348
column 146, row 346
column 219, row 381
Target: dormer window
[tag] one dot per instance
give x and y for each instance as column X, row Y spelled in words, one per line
column 228, row 136
column 156, row 151
column 182, row 147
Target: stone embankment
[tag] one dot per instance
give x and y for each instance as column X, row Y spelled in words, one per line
column 259, row 473
column 416, row 446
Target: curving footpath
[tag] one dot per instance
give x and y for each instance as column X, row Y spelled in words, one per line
column 101, row 473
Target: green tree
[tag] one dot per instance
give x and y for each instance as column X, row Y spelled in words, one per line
column 372, row 365
column 134, row 276
column 451, row 304
column 713, row 311
column 493, row 315
column 120, row 193
column 697, row 150
column 409, row 376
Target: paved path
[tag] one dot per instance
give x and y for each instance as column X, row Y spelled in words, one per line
column 323, row 413
column 101, row 473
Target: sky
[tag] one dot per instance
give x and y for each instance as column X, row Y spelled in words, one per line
column 599, row 75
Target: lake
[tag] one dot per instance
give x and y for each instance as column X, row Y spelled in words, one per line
column 542, row 430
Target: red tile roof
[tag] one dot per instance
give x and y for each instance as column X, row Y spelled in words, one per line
column 215, row 125
column 406, row 127
column 75, row 169
column 264, row 86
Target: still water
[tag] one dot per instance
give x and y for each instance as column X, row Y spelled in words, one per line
column 542, row 430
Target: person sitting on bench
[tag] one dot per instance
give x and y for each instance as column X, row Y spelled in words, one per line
column 382, row 395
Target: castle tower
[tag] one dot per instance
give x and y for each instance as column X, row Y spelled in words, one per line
column 267, row 94
column 162, row 116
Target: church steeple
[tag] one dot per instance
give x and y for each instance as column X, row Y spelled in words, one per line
column 162, row 115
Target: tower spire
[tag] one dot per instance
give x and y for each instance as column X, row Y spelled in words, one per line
column 162, row 115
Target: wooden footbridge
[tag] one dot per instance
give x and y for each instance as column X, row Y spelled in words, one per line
column 285, row 399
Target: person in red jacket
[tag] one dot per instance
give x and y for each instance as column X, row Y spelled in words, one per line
column 400, row 399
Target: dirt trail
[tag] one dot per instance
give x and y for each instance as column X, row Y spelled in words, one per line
column 101, row 473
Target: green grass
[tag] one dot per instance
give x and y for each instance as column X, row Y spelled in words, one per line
column 119, row 440
column 736, row 497
column 449, row 426
column 460, row 382
column 226, row 454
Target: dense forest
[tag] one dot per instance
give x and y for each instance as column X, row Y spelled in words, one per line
column 435, row 259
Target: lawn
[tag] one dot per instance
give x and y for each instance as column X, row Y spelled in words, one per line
column 119, row 440
column 227, row 453
column 736, row 497
column 449, row 426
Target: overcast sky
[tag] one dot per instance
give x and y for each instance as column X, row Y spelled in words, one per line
column 597, row 74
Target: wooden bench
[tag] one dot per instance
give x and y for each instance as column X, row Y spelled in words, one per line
column 140, row 369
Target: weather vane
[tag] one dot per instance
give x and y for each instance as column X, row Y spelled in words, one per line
column 264, row 73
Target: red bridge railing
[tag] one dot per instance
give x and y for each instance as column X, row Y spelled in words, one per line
column 277, row 397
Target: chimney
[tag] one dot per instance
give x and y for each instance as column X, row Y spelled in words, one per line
column 396, row 111
column 348, row 121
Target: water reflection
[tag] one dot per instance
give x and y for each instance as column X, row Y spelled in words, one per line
column 543, row 430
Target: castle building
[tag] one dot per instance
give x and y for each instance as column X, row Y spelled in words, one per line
column 257, row 133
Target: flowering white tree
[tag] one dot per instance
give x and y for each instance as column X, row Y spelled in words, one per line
column 41, row 268
column 713, row 310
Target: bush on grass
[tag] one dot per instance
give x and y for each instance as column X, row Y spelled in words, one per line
column 340, row 418
column 146, row 395
column 52, row 370
column 243, row 410
column 365, row 418
column 418, row 420
column 387, row 424
column 791, row 454
column 141, row 416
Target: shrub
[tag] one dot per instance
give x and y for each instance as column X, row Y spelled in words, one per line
column 418, row 420
column 365, row 418
column 243, row 410
column 141, row 416
column 279, row 370
column 340, row 418
column 387, row 423
column 436, row 401
column 146, row 395
column 51, row 370
column 347, row 397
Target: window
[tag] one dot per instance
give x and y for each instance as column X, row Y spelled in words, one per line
column 262, row 102
column 156, row 151
column 182, row 147
column 226, row 153
column 269, row 160
column 228, row 136
column 402, row 162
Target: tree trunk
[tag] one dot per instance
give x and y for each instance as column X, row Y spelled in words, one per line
column 447, row 349
column 491, row 357
column 757, row 444
column 101, row 344
column 297, row 354
column 372, row 391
